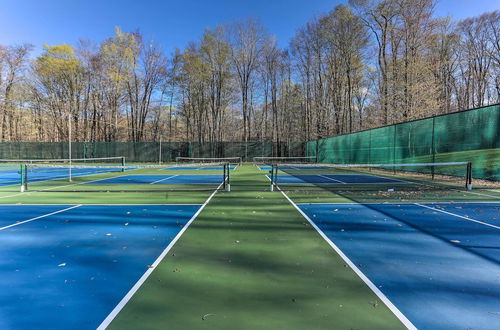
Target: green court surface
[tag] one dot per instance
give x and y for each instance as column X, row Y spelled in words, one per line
column 251, row 261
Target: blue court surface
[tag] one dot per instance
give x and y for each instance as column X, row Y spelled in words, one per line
column 161, row 179
column 335, row 179
column 201, row 168
column 438, row 263
column 71, row 265
column 9, row 177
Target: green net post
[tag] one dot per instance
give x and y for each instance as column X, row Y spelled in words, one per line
column 24, row 178
column 272, row 177
column 468, row 184
column 224, row 177
column 123, row 164
column 227, row 184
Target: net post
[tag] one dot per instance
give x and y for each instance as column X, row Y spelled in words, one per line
column 272, row 177
column 123, row 164
column 468, row 183
column 24, row 181
column 276, row 176
column 228, row 184
column 224, row 183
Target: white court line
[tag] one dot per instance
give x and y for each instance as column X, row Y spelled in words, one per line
column 481, row 194
column 363, row 277
column 332, row 179
column 170, row 177
column 458, row 216
column 148, row 272
column 39, row 217
column 394, row 203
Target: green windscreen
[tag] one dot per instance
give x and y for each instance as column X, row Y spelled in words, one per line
column 139, row 152
column 470, row 136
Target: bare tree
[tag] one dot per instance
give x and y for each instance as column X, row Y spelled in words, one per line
column 246, row 39
column 14, row 61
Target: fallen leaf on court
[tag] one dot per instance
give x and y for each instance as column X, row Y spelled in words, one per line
column 204, row 317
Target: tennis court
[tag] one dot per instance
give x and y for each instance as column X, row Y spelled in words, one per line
column 423, row 257
column 336, row 179
column 122, row 246
column 13, row 172
column 68, row 266
column 200, row 168
column 12, row 177
column 264, row 167
column 160, row 179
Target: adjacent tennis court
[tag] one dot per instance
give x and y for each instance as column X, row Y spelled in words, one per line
column 335, row 179
column 160, row 179
column 68, row 266
column 200, row 168
column 425, row 258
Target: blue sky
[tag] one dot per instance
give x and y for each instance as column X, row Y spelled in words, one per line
column 171, row 23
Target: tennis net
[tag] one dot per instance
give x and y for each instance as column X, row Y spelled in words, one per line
column 118, row 178
column 193, row 160
column 365, row 177
column 4, row 163
column 284, row 160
